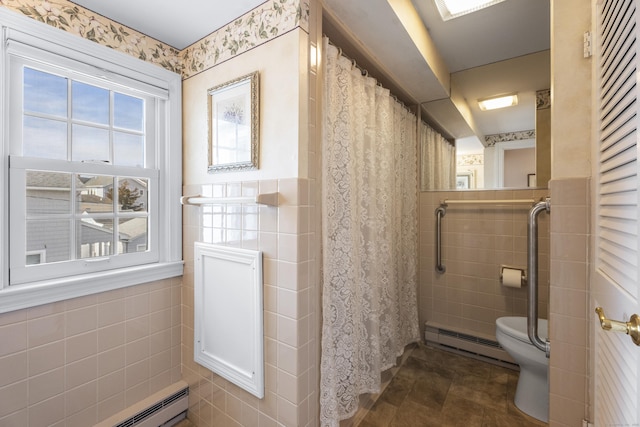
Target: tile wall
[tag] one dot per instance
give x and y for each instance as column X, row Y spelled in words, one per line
column 283, row 234
column 79, row 361
column 476, row 241
column 569, row 308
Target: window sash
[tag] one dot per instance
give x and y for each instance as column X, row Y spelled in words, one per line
column 16, row 114
column 21, row 273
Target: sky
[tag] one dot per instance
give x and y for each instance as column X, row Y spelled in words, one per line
column 47, row 113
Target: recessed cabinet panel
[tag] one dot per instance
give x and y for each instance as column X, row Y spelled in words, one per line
column 228, row 314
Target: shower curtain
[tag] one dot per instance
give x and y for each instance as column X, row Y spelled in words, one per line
column 370, row 235
column 438, row 160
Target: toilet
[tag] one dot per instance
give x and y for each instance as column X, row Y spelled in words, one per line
column 532, row 392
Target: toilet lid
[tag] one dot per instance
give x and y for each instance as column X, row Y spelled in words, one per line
column 516, row 327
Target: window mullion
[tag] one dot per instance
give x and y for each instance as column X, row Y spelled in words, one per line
column 116, row 195
column 74, row 217
column 73, row 230
column 116, row 221
column 111, row 127
column 69, row 121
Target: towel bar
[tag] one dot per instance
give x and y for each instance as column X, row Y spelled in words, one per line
column 269, row 199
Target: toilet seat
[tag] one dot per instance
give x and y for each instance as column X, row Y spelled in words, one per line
column 516, row 327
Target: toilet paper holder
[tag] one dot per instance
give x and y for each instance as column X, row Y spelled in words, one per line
column 523, row 273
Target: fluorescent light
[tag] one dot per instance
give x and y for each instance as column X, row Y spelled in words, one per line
column 450, row 9
column 313, row 57
column 498, row 102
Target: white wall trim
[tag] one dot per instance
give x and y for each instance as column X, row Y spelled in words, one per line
column 48, row 291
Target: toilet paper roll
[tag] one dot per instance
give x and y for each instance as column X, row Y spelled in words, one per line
column 512, row 277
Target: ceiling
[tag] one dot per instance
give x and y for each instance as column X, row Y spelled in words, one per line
column 176, row 23
column 404, row 44
column 473, row 58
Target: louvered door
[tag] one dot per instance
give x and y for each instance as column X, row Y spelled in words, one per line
column 615, row 270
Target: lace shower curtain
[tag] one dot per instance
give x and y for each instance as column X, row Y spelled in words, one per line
column 438, row 160
column 370, row 247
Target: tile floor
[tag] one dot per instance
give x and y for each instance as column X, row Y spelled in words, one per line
column 435, row 388
column 438, row 388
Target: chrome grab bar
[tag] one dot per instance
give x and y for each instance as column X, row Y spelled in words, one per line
column 487, row 202
column 440, row 212
column 532, row 266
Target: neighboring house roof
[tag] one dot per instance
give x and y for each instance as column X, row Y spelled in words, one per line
column 97, row 207
column 134, row 228
column 128, row 230
column 99, row 181
column 50, row 180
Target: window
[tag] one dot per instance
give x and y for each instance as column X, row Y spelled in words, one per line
column 94, row 178
column 63, row 130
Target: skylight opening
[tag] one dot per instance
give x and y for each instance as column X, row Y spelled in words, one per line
column 450, row 9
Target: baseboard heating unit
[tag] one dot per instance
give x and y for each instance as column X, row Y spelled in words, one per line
column 162, row 409
column 468, row 344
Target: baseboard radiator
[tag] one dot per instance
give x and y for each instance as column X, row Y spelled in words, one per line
column 464, row 343
column 162, row 409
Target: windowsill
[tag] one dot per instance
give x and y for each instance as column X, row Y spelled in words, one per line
column 17, row 297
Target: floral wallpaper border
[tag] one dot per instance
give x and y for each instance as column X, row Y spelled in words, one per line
column 77, row 20
column 491, row 140
column 470, row 159
column 264, row 23
column 543, row 99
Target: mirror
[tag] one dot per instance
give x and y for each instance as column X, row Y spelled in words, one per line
column 233, row 125
column 506, row 147
column 446, row 65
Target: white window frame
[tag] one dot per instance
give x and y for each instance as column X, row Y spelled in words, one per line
column 38, row 41
column 42, row 253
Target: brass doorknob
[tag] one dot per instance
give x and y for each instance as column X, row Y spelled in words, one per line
column 631, row 328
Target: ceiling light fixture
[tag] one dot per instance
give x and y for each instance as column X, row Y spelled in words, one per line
column 450, row 9
column 496, row 102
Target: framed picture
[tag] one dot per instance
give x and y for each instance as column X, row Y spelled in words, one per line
column 463, row 181
column 531, row 180
column 234, row 124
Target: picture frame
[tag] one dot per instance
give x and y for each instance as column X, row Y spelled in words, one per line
column 463, row 181
column 233, row 116
column 531, row 180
